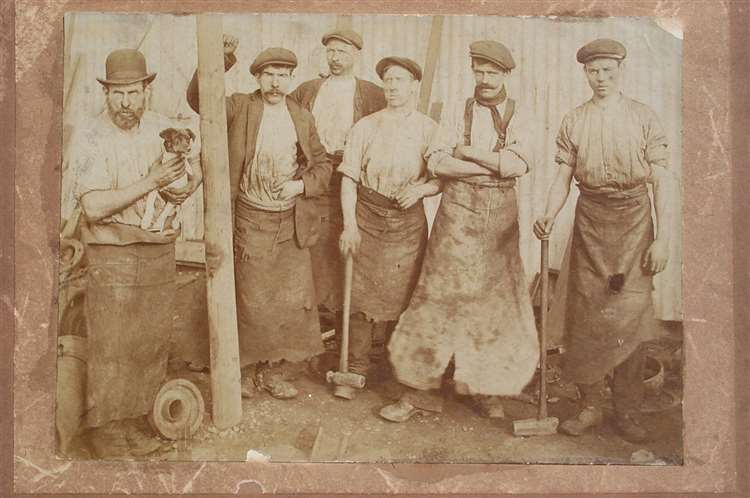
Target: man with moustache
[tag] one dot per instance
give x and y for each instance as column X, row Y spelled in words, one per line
column 277, row 166
column 613, row 146
column 131, row 271
column 385, row 229
column 337, row 102
column 472, row 301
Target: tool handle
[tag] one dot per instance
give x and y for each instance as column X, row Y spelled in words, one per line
column 348, row 272
column 544, row 305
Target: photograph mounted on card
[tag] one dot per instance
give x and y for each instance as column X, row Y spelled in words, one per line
column 371, row 238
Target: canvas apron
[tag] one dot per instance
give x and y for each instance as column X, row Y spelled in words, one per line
column 610, row 309
column 327, row 266
column 129, row 308
column 472, row 300
column 386, row 267
column 276, row 313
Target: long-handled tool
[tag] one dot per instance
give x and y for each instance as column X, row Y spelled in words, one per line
column 542, row 425
column 344, row 380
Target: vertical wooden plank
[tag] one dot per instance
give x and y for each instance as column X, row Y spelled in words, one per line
column 222, row 311
column 433, row 52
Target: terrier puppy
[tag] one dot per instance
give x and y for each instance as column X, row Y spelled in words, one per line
column 177, row 143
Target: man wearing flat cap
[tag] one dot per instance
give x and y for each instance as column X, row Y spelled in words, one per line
column 472, row 303
column 614, row 147
column 385, row 229
column 277, row 165
column 337, row 101
column 131, row 271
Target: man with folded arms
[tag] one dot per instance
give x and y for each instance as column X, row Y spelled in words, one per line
column 472, row 301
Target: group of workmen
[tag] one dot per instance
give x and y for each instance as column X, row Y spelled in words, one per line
column 339, row 168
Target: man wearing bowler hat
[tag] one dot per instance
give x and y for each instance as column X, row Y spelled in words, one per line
column 337, row 101
column 131, row 271
column 277, row 166
column 384, row 178
column 471, row 303
column 613, row 146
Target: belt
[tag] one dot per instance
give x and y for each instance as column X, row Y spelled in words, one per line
column 370, row 196
column 490, row 183
column 592, row 193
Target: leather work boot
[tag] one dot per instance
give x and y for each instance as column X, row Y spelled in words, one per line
column 401, row 411
column 275, row 385
column 108, row 441
column 631, row 429
column 247, row 386
column 490, row 406
column 590, row 416
column 142, row 440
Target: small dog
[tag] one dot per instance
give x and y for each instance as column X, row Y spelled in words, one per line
column 177, row 143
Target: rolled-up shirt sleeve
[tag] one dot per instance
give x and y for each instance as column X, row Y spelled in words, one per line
column 354, row 147
column 657, row 147
column 444, row 139
column 566, row 149
column 517, row 157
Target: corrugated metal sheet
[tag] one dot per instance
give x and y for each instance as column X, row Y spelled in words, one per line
column 547, row 82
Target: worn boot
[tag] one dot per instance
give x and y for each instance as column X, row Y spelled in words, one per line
column 274, row 383
column 401, row 411
column 589, row 417
column 490, row 406
column 140, row 437
column 630, row 428
column 108, row 441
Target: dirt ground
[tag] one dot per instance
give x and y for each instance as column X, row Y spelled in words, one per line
column 316, row 426
column 351, row 430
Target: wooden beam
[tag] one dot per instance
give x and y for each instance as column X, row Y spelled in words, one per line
column 222, row 310
column 433, row 54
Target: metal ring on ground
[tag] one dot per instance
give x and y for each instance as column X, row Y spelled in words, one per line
column 178, row 410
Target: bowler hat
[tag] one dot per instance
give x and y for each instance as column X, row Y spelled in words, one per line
column 407, row 64
column 274, row 55
column 126, row 66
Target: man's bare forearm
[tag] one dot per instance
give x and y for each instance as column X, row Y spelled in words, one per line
column 349, row 201
column 98, row 204
column 452, row 167
column 664, row 186
column 559, row 190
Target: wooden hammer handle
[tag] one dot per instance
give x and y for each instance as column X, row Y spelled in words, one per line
column 544, row 305
column 348, row 272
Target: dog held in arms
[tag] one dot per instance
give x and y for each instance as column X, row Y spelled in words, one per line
column 177, row 143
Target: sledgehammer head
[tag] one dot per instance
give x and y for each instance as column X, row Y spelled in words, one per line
column 346, row 379
column 535, row 426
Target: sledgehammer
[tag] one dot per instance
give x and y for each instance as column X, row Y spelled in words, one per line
column 344, row 380
column 542, row 425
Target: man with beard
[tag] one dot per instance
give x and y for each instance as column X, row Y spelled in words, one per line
column 613, row 146
column 276, row 168
column 385, row 228
column 337, row 102
column 131, row 271
column 472, row 301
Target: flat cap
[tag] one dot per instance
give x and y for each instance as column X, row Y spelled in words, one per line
column 601, row 48
column 345, row 35
column 276, row 56
column 492, row 51
column 407, row 64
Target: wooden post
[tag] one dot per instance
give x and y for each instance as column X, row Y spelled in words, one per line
column 433, row 53
column 222, row 310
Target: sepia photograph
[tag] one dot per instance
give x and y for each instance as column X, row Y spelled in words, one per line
column 370, row 238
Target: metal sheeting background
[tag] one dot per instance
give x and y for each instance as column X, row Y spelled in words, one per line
column 547, row 82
